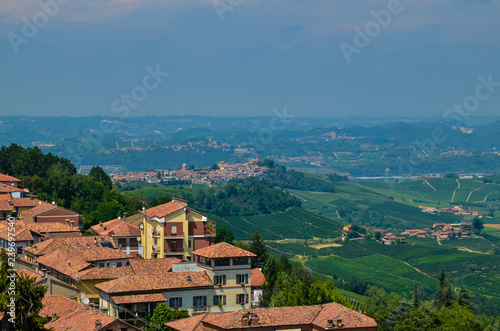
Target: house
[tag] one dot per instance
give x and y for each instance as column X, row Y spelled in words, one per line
column 51, row 213
column 257, row 279
column 125, row 235
column 21, row 234
column 67, row 315
column 9, row 180
column 217, row 279
column 174, row 230
column 330, row 316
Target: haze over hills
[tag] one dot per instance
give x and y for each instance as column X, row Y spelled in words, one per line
column 370, row 147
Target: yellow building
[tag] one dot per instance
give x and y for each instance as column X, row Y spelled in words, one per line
column 174, row 230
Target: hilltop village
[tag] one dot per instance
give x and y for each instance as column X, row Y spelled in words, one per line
column 114, row 279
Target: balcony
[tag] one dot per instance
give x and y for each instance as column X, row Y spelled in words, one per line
column 155, row 249
column 156, row 233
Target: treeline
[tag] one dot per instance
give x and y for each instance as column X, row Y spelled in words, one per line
column 449, row 310
column 291, row 179
column 252, row 196
column 51, row 178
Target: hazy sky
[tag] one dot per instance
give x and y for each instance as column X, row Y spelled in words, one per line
column 246, row 57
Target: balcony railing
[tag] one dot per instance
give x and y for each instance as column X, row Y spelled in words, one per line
column 156, row 233
column 155, row 249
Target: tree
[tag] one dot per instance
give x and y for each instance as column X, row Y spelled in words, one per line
column 99, row 175
column 223, row 234
column 27, row 300
column 444, row 297
column 477, row 224
column 378, row 235
column 163, row 314
column 258, row 247
column 415, row 302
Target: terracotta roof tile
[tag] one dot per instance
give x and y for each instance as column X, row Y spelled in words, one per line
column 71, row 316
column 106, row 273
column 117, row 228
column 171, row 280
column 4, row 188
column 64, row 264
column 257, row 278
column 153, row 267
column 162, row 210
column 138, row 298
column 52, row 227
column 25, row 202
column 6, row 205
column 21, row 232
column 7, row 178
column 316, row 316
column 188, row 324
column 222, row 250
column 32, row 274
column 51, row 245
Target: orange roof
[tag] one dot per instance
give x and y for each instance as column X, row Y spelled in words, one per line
column 138, row 298
column 162, row 210
column 71, row 315
column 5, row 197
column 257, row 277
column 106, row 273
column 21, row 233
column 117, row 228
column 316, row 316
column 52, row 227
column 63, row 263
column 8, row 188
column 25, row 202
column 6, row 206
column 222, row 250
column 152, row 267
column 142, row 283
column 7, row 178
column 30, row 273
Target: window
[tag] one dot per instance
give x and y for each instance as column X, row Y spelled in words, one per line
column 220, row 280
column 173, row 246
column 175, row 302
column 173, row 229
column 242, row 279
column 222, row 262
column 241, row 298
column 101, row 265
column 199, row 303
column 219, row 300
column 119, row 264
column 240, row 261
column 189, row 243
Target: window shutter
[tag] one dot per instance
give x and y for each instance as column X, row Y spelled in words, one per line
column 224, row 299
column 246, row 298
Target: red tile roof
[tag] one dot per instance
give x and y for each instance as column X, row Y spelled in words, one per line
column 64, row 264
column 316, row 316
column 222, row 250
column 257, row 278
column 25, row 202
column 142, row 283
column 52, row 227
column 162, row 210
column 71, row 316
column 7, row 178
column 32, row 274
column 153, row 267
column 21, row 233
column 8, row 188
column 6, row 205
column 106, row 273
column 117, row 228
column 138, row 298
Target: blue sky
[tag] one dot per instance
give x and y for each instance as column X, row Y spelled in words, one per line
column 263, row 54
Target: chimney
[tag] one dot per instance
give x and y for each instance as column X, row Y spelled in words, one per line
column 95, row 240
column 339, row 322
column 244, row 320
column 100, row 223
column 69, row 265
column 67, row 221
column 98, row 324
column 54, row 317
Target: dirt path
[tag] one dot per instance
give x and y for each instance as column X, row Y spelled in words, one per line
column 430, row 185
column 486, row 197
column 458, row 188
column 467, row 200
column 453, row 196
